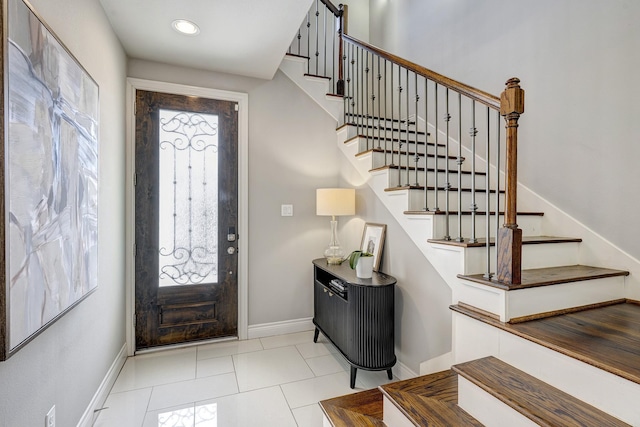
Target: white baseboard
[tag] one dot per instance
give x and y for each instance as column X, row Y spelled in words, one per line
column 403, row 372
column 103, row 391
column 280, row 328
column 437, row 364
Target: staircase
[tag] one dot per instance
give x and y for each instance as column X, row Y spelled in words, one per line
column 559, row 345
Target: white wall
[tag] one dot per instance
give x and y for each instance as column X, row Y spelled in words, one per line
column 292, row 152
column 577, row 60
column 422, row 297
column 67, row 362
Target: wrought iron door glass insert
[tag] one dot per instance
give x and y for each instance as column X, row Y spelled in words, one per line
column 188, row 206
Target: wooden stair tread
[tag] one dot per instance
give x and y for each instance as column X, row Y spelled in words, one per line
column 421, row 169
column 296, row 55
column 390, row 129
column 430, row 400
column 432, row 188
column 535, row 277
column 403, row 153
column 317, row 76
column 607, row 337
column 420, row 143
column 526, row 240
column 423, row 212
column 358, row 409
column 543, row 404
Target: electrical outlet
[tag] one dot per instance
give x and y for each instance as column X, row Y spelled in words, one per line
column 50, row 419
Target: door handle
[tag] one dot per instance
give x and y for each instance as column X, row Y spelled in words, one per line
column 231, row 250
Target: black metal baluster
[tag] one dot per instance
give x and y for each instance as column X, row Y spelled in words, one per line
column 360, row 92
column 426, row 153
column 436, row 208
column 353, row 84
column 447, row 188
column 334, row 40
column 474, row 207
column 367, row 116
column 317, row 37
column 487, row 274
column 309, row 42
column 407, row 127
column 459, row 162
column 391, row 90
column 384, row 123
column 379, row 100
column 416, row 157
column 324, row 19
column 399, row 126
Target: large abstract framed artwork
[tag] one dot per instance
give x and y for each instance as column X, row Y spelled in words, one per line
column 49, row 165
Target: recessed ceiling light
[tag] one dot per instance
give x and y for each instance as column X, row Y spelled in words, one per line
column 185, row 27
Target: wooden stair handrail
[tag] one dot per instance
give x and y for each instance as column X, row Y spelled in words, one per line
column 335, row 10
column 483, row 97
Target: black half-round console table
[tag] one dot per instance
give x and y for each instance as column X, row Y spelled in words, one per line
column 356, row 315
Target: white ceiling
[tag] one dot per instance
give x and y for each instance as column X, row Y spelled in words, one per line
column 244, row 37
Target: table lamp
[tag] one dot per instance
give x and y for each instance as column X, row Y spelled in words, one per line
column 335, row 202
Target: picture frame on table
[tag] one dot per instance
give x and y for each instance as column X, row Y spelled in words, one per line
column 373, row 241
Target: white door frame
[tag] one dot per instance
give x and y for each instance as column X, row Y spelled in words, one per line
column 243, row 194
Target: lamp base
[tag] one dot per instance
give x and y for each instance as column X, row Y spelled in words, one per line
column 334, row 253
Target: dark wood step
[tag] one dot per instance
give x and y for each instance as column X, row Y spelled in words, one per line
column 538, row 401
column 536, row 277
column 297, row 56
column 430, row 400
column 358, row 409
column 360, row 116
column 431, row 188
column 404, row 153
column 526, row 240
column 420, row 143
column 421, row 169
column 424, row 212
column 317, row 76
column 605, row 336
column 384, row 128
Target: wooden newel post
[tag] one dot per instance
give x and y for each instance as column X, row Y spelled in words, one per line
column 509, row 245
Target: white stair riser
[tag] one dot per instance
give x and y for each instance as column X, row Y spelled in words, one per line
column 529, row 224
column 474, row 260
column 487, row 409
column 394, row 178
column 608, row 392
column 392, row 416
column 459, row 260
column 417, row 200
column 542, row 299
column 375, row 131
column 381, row 159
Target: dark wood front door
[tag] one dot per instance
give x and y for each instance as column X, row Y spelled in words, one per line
column 186, row 196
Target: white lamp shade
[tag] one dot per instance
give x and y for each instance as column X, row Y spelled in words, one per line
column 335, row 201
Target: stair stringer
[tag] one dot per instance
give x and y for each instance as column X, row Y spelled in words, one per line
column 595, row 250
column 317, row 88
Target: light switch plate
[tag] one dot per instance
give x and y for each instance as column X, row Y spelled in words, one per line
column 286, row 210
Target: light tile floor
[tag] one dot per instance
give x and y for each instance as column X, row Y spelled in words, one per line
column 267, row 382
